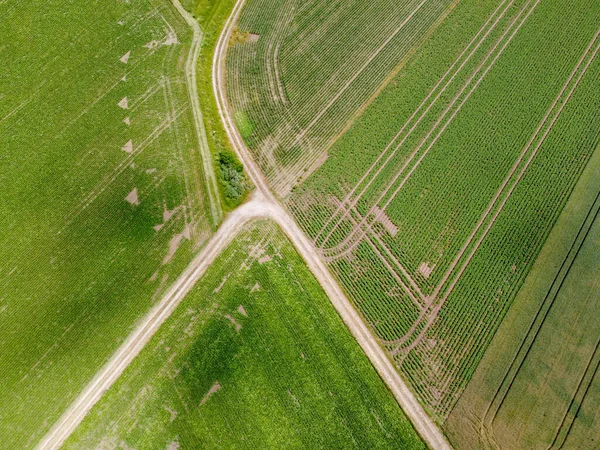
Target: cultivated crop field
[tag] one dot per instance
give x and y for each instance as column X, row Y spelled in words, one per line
column 298, row 71
column 102, row 195
column 254, row 357
column 538, row 385
column 438, row 193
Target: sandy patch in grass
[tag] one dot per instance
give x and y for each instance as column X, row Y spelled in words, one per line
column 124, row 104
column 167, row 214
column 264, row 259
column 125, row 57
column 214, row 389
column 133, row 198
column 243, row 37
column 173, row 414
column 175, row 242
column 255, row 288
column 187, row 232
column 236, row 324
column 220, row 286
column 384, row 220
column 152, row 44
column 171, row 38
column 127, row 121
column 426, row 269
column 128, row 147
column 242, row 311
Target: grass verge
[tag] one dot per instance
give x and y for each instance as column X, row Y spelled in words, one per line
column 212, row 15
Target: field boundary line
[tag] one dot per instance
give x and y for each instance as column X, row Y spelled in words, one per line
column 190, row 71
column 537, row 323
column 586, row 381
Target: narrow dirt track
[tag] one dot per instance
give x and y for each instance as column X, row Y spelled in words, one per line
column 261, row 205
column 190, row 77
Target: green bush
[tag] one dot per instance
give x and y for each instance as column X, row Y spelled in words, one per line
column 232, row 178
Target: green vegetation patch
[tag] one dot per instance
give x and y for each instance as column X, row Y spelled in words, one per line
column 232, row 178
column 102, row 202
column 212, row 15
column 539, row 382
column 243, row 123
column 254, row 357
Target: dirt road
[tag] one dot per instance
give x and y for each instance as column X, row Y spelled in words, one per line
column 426, row 428
column 262, row 205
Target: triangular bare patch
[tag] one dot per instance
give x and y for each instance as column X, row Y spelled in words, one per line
column 127, row 121
column 132, row 197
column 125, row 57
column 123, row 103
column 128, row 147
column 242, row 311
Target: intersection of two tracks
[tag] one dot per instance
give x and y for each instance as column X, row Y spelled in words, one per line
column 261, row 205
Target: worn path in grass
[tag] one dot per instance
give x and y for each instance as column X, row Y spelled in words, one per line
column 262, row 204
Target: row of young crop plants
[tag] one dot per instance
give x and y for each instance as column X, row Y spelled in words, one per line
column 290, row 136
column 419, row 184
column 473, row 310
column 454, row 354
column 360, row 149
column 390, row 167
column 447, row 210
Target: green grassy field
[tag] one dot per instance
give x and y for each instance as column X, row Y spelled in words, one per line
column 102, row 198
column 254, row 357
column 538, row 385
column 432, row 206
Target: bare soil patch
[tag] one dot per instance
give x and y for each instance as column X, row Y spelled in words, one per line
column 132, row 197
column 214, row 389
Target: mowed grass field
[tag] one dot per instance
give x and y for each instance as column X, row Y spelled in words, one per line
column 538, row 386
column 102, row 199
column 433, row 199
column 254, row 357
